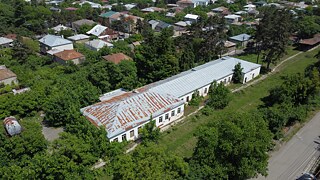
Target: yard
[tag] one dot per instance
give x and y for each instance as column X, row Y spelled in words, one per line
column 180, row 140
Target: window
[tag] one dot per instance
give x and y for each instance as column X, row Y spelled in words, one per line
column 229, row 80
column 172, row 113
column 167, row 116
column 124, row 137
column 182, row 99
column 179, row 110
column 160, row 119
column 115, row 140
column 205, row 90
column 132, row 133
column 225, row 81
column 245, row 80
column 252, row 75
column 187, row 98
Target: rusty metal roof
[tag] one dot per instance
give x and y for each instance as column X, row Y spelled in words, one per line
column 129, row 110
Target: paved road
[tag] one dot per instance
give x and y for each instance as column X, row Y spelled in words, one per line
column 297, row 155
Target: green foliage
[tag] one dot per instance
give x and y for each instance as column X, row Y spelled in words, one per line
column 149, row 162
column 272, row 34
column 307, row 27
column 219, row 96
column 237, row 73
column 196, row 99
column 232, row 147
column 150, row 132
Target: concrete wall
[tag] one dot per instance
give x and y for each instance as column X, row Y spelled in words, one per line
column 44, row 48
column 250, row 75
column 133, row 133
column 9, row 81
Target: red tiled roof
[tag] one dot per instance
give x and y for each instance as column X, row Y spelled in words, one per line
column 67, row 55
column 116, row 58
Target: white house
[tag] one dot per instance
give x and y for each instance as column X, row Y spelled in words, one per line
column 200, row 78
column 241, row 39
column 123, row 114
column 191, row 18
column 50, row 42
column 79, row 38
column 59, row 28
column 97, row 44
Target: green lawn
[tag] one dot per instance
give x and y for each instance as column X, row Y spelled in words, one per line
column 253, row 57
column 180, row 141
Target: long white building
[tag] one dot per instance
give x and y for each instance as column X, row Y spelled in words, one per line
column 123, row 113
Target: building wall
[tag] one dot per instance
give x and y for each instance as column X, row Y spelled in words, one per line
column 133, row 134
column 81, row 41
column 44, row 48
column 250, row 75
column 75, row 61
column 9, row 81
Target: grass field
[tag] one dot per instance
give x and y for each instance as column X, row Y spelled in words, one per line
column 180, row 140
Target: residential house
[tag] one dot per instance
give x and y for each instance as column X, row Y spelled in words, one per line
column 52, row 42
column 108, row 17
column 191, row 18
column 162, row 25
column 153, row 23
column 59, row 28
column 98, row 31
column 12, row 126
column 232, row 18
column 7, row 77
column 192, row 3
column 230, row 46
column 183, row 23
column 130, row 6
column 79, row 38
column 152, row 9
column 123, row 113
column 92, row 4
column 310, row 42
column 97, row 44
column 66, row 56
column 241, row 39
column 77, row 24
column 223, row 11
column 116, row 58
column 178, row 30
column 5, row 42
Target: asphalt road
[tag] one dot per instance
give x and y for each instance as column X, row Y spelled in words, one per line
column 296, row 156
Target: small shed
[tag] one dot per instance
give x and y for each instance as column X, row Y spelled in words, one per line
column 12, row 126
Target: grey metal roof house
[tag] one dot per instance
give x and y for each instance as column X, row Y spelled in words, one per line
column 5, row 42
column 240, row 37
column 53, row 41
column 200, row 76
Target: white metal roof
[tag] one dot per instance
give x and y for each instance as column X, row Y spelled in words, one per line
column 241, row 37
column 191, row 16
column 232, row 16
column 53, row 41
column 97, row 30
column 4, row 40
column 78, row 37
column 98, row 44
column 200, row 76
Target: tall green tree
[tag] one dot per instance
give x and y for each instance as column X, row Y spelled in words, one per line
column 272, row 34
column 219, row 96
column 237, row 73
column 233, row 146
